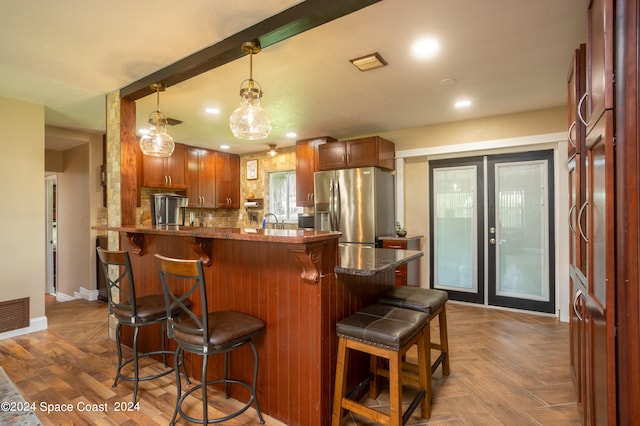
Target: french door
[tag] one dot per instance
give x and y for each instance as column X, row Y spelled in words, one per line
column 492, row 230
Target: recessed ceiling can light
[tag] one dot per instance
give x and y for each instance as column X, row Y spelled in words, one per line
column 224, row 146
column 291, row 135
column 211, row 110
column 463, row 103
column 425, row 48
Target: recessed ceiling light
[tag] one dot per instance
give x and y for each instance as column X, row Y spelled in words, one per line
column 224, row 146
column 369, row 62
column 143, row 131
column 463, row 103
column 211, row 110
column 425, row 48
column 291, row 135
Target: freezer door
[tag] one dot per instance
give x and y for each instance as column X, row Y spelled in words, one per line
column 322, row 195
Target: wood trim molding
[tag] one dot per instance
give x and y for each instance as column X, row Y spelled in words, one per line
column 309, row 257
column 203, row 248
column 137, row 242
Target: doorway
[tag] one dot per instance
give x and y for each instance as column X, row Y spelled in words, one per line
column 51, row 233
column 492, row 230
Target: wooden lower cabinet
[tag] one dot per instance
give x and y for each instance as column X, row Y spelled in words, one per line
column 408, row 273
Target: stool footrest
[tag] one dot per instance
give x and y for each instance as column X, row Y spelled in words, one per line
column 359, row 408
column 360, row 386
column 438, row 361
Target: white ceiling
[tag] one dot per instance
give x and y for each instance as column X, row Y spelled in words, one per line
column 506, row 56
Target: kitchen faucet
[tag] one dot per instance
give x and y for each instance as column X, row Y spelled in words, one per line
column 274, row 217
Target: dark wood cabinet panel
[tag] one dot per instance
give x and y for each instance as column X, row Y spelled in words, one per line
column 362, row 152
column 306, row 165
column 200, row 171
column 227, row 180
column 599, row 60
column 165, row 172
column 576, row 81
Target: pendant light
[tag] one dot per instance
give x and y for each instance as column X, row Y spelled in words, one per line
column 157, row 143
column 250, row 121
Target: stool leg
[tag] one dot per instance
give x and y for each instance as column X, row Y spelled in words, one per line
column 341, row 384
column 374, row 385
column 424, row 370
column 119, row 346
column 135, row 364
column 444, row 340
column 395, row 389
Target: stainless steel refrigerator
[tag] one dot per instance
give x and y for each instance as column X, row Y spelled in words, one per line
column 360, row 203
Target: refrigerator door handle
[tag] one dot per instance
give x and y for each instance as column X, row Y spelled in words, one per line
column 331, row 192
column 336, row 209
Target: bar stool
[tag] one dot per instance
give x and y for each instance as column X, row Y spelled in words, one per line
column 206, row 333
column 433, row 303
column 386, row 332
column 132, row 311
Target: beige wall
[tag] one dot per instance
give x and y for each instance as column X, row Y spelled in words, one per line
column 79, row 201
column 22, row 212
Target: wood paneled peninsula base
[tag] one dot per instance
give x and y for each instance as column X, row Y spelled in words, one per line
column 300, row 283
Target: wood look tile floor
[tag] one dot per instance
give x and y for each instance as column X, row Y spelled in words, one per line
column 506, row 369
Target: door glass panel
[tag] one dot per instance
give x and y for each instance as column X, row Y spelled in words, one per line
column 456, row 225
column 522, row 224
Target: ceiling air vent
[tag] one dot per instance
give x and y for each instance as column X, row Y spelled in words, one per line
column 369, row 62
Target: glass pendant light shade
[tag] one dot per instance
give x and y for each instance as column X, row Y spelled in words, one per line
column 157, row 143
column 250, row 121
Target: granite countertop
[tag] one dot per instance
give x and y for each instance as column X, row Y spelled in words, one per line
column 356, row 260
column 245, row 234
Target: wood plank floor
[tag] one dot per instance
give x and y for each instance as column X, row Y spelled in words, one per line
column 506, row 369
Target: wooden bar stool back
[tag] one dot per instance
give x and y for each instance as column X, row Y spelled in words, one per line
column 206, row 333
column 382, row 332
column 131, row 311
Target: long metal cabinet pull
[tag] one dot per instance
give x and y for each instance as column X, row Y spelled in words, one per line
column 575, row 304
column 571, row 227
column 586, row 240
column 571, row 141
column 582, row 99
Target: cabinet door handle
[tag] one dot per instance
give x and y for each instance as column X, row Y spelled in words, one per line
column 571, row 141
column 571, row 227
column 582, row 234
column 582, row 99
column 170, row 181
column 575, row 304
column 394, row 247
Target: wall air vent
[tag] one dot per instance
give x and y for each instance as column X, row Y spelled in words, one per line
column 14, row 314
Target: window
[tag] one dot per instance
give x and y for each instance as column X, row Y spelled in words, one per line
column 282, row 196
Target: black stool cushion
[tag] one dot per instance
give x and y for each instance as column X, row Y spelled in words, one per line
column 226, row 328
column 384, row 326
column 418, row 299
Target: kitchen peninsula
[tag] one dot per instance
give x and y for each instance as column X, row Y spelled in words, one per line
column 299, row 282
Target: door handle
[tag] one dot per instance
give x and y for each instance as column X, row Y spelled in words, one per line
column 492, row 241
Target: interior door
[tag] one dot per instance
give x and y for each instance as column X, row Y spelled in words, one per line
column 457, row 227
column 520, row 231
column 515, row 239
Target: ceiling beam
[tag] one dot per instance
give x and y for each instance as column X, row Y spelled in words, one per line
column 288, row 23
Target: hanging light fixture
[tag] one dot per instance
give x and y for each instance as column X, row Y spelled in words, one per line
column 272, row 150
column 157, row 143
column 250, row 121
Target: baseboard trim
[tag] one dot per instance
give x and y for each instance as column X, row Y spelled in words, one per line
column 35, row 324
column 89, row 295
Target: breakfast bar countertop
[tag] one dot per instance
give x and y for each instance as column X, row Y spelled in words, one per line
column 355, row 260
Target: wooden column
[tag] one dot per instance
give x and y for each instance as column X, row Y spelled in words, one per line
column 128, row 162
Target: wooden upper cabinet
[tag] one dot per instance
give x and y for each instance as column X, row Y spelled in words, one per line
column 200, row 170
column 306, row 165
column 599, row 60
column 362, row 152
column 576, row 82
column 165, row 172
column 227, row 181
